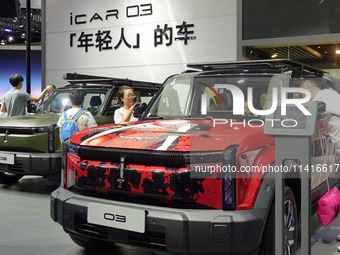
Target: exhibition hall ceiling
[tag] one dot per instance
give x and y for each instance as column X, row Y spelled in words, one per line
column 13, row 22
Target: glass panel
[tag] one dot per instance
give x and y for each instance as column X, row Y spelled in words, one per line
column 322, row 56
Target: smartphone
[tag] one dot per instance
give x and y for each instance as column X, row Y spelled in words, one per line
column 137, row 99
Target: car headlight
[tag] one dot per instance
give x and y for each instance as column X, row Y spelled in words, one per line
column 70, row 148
column 229, row 177
column 51, row 138
column 67, row 177
column 39, row 130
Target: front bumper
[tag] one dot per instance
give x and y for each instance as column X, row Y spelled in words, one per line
column 182, row 231
column 29, row 163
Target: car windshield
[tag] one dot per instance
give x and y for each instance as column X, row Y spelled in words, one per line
column 211, row 96
column 59, row 101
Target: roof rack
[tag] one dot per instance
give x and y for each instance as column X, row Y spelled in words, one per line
column 282, row 64
column 76, row 79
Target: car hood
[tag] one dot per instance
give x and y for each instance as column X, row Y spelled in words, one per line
column 32, row 120
column 173, row 135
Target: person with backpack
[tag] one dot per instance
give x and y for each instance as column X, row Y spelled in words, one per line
column 75, row 118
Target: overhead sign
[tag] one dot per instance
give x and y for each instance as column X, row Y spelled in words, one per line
column 147, row 40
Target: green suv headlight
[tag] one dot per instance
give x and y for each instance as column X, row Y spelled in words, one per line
column 39, row 130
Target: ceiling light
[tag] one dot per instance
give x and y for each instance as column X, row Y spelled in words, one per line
column 274, row 55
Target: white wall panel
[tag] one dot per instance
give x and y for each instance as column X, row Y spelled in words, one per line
column 213, row 32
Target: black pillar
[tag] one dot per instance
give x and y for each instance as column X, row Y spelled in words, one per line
column 28, row 46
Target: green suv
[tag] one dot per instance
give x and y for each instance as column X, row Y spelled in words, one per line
column 30, row 144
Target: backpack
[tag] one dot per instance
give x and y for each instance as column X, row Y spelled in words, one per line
column 69, row 126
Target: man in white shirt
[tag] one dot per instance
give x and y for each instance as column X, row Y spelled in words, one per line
column 332, row 100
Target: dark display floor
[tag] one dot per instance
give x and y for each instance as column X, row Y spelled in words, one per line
column 27, row 229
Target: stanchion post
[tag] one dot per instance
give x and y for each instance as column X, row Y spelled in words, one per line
column 293, row 144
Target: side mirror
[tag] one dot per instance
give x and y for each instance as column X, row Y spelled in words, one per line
column 31, row 108
column 139, row 109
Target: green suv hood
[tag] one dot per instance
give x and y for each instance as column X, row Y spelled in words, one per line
column 34, row 120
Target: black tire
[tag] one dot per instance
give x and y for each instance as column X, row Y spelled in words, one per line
column 290, row 227
column 8, row 178
column 90, row 243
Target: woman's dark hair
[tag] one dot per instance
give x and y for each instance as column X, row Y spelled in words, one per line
column 54, row 86
column 121, row 91
column 77, row 96
column 15, row 79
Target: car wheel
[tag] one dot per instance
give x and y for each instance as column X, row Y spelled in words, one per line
column 290, row 227
column 8, row 178
column 89, row 243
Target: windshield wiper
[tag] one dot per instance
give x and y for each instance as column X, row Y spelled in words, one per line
column 155, row 117
column 198, row 118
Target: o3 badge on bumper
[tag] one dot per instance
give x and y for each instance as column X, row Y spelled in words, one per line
column 116, row 217
column 6, row 158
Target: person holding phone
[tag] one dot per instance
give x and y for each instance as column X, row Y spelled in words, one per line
column 126, row 97
column 15, row 100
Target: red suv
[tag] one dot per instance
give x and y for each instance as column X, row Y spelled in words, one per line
column 193, row 175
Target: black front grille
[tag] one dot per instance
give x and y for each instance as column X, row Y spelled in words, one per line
column 17, row 168
column 150, row 157
column 88, row 229
column 149, row 238
column 20, row 131
column 143, row 199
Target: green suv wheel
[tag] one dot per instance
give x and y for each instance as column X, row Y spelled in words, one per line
column 8, row 178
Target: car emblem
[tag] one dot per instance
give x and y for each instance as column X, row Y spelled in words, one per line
column 121, row 180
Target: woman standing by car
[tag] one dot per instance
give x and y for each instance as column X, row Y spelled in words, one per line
column 126, row 97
